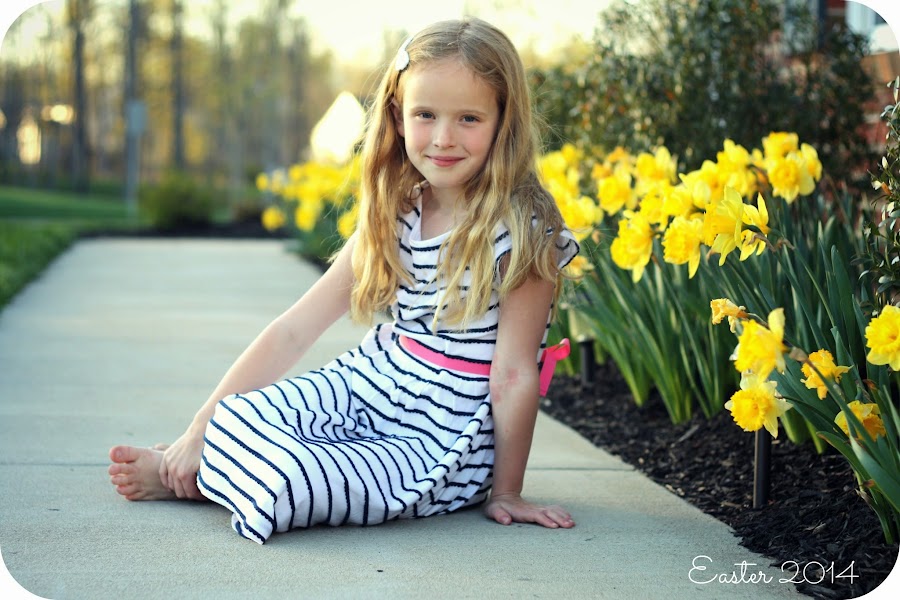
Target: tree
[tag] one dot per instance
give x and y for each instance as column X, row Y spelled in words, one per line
column 178, row 99
column 690, row 73
column 79, row 11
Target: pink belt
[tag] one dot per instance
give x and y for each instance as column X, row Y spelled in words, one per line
column 549, row 357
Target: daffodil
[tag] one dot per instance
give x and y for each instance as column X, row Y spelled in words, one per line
column 811, row 158
column 733, row 164
column 779, row 143
column 305, row 216
column 651, row 168
column 262, row 182
column 651, row 205
column 571, row 154
column 883, row 338
column 580, row 213
column 681, row 243
column 722, row 224
column 346, row 223
column 757, row 216
column 756, row 405
column 711, row 190
column 723, row 307
column 273, row 218
column 790, row 177
column 619, row 155
column 824, row 362
column 679, row 200
column 633, row 246
column 761, row 349
column 868, row 414
column 578, row 266
column 615, row 192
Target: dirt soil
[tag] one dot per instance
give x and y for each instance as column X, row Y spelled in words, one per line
column 814, row 513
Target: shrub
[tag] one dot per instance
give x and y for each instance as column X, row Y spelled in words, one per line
column 687, row 74
column 177, row 203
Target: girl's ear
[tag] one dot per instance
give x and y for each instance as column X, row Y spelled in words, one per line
column 398, row 116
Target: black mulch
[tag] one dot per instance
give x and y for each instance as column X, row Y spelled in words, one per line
column 814, row 514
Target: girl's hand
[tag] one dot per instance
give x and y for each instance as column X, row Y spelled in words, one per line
column 180, row 463
column 509, row 508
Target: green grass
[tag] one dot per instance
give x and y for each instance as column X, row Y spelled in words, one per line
column 26, row 203
column 37, row 225
column 26, row 249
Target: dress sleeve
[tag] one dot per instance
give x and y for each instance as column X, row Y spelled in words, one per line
column 566, row 248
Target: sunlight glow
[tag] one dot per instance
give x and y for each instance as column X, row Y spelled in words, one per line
column 335, row 135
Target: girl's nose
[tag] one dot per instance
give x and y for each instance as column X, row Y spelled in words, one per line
column 443, row 135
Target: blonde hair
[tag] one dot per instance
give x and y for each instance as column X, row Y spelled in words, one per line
column 506, row 189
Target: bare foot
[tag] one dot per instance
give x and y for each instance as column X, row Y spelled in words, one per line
column 135, row 473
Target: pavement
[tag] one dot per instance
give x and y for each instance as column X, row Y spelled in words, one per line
column 121, row 340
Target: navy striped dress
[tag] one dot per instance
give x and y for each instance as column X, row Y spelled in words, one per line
column 376, row 434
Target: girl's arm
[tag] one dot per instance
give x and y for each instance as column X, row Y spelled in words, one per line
column 514, row 402
column 280, row 345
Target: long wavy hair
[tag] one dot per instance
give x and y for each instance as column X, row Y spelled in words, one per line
column 506, row 190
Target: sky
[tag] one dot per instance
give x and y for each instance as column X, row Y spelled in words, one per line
column 353, row 29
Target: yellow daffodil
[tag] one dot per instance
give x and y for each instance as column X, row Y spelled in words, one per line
column 790, row 177
column 681, row 243
column 869, row 415
column 883, row 338
column 708, row 175
column 571, row 154
column 723, row 307
column 619, row 155
column 733, row 164
column 779, row 143
column 633, row 246
column 651, row 168
column 262, row 182
column 578, row 266
column 758, row 216
column 346, row 223
column 651, row 205
column 305, row 216
column 297, row 172
column 811, row 158
column 733, row 155
column 761, row 349
column 756, row 405
column 273, row 218
column 679, row 200
column 580, row 213
column 824, row 362
column 722, row 224
column 600, row 171
column 615, row 192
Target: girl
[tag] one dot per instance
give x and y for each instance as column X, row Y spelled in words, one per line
column 435, row 410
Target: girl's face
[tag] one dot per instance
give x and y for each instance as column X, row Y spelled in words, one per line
column 447, row 118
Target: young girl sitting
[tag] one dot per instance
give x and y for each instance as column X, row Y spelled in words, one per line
column 435, row 410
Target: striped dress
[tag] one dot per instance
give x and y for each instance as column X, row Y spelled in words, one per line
column 374, row 435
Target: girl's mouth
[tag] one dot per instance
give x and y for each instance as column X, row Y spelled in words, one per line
column 444, row 161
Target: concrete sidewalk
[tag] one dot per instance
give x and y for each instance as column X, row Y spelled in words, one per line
column 121, row 340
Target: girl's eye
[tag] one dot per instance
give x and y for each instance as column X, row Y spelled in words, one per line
column 426, row 115
column 470, row 119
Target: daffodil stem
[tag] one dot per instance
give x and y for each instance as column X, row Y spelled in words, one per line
column 762, row 466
